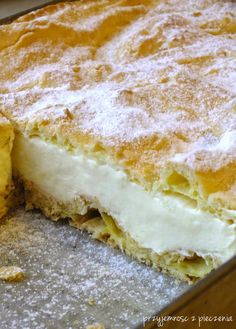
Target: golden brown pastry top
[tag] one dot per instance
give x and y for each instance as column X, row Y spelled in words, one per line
column 151, row 83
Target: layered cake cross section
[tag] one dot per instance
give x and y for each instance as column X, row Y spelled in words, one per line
column 124, row 119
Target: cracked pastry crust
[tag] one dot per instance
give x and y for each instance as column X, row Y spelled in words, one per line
column 6, row 141
column 148, row 86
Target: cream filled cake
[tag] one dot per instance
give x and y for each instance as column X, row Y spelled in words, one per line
column 124, row 115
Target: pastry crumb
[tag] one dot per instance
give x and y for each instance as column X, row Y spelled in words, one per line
column 91, row 301
column 95, row 326
column 11, row 274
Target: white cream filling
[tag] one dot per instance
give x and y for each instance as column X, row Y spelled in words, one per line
column 160, row 222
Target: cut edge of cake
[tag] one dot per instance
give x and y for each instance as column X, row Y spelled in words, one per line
column 91, row 214
column 6, row 144
column 194, row 167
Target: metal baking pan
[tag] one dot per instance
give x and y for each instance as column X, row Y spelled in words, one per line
column 73, row 281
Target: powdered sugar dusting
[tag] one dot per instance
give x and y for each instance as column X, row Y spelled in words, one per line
column 145, row 82
column 66, row 269
column 127, row 72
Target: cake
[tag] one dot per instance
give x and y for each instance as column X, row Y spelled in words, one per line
column 6, row 140
column 124, row 116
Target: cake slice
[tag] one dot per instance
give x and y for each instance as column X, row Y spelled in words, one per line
column 124, row 115
column 6, row 141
